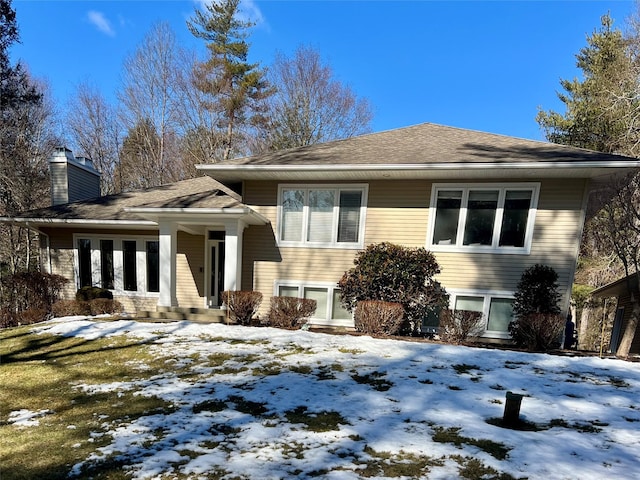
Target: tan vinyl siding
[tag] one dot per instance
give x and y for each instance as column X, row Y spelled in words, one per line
column 557, row 230
column 61, row 257
column 398, row 212
column 190, row 270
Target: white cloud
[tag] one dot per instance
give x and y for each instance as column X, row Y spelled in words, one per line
column 248, row 11
column 101, row 22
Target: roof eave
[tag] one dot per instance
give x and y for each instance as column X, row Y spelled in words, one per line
column 76, row 222
column 155, row 214
column 482, row 170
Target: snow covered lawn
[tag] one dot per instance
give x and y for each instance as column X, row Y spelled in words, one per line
column 263, row 403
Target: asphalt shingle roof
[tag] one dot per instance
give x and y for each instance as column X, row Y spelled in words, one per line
column 426, row 143
column 200, row 192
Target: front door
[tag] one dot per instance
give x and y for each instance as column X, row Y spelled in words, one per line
column 215, row 272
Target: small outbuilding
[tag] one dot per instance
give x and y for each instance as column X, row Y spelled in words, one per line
column 621, row 290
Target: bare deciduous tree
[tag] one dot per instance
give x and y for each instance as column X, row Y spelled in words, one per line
column 617, row 226
column 148, row 97
column 310, row 105
column 96, row 133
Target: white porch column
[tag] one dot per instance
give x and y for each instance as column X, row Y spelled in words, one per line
column 233, row 230
column 168, row 240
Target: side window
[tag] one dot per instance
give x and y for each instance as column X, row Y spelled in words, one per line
column 321, row 216
column 496, row 309
column 327, row 296
column 482, row 217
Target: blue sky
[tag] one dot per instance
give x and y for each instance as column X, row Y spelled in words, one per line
column 481, row 65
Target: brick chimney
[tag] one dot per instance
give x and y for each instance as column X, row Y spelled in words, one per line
column 72, row 178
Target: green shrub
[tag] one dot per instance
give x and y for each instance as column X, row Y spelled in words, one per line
column 376, row 317
column 397, row 274
column 242, row 305
column 537, row 323
column 458, row 326
column 290, row 312
column 86, row 294
column 537, row 291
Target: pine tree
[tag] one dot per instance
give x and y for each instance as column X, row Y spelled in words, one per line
column 597, row 114
column 233, row 86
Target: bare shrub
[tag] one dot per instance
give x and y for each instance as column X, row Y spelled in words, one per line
column 28, row 291
column 457, row 326
column 33, row 315
column 290, row 312
column 539, row 331
column 376, row 317
column 242, row 305
column 65, row 308
column 100, row 306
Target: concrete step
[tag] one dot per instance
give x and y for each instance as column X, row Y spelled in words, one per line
column 197, row 315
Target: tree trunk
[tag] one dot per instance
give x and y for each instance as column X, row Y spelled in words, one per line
column 630, row 329
column 584, row 328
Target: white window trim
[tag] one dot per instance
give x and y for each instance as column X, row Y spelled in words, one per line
column 534, row 187
column 330, row 286
column 364, row 188
column 141, row 262
column 487, row 295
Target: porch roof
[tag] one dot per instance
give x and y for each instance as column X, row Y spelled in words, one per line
column 197, row 198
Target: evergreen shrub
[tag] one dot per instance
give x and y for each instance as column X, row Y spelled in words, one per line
column 537, row 323
column 396, row 274
column 86, row 294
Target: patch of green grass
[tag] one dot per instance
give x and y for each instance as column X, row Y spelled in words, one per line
column 210, row 406
column 316, row 422
column 393, row 465
column 375, row 380
column 462, row 368
column 512, row 364
column 473, row 469
column 293, row 450
column 247, row 406
column 452, row 435
column 43, row 372
column 301, row 369
column 353, row 351
column 268, row 369
column 593, row 426
column 618, row 382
